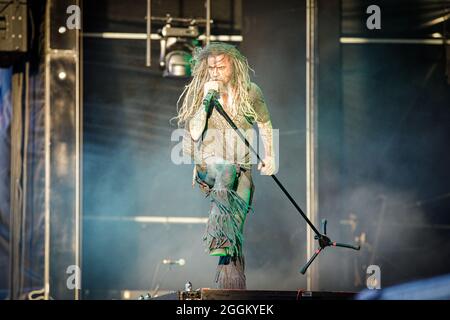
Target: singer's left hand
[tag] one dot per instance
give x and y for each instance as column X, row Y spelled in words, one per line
column 269, row 166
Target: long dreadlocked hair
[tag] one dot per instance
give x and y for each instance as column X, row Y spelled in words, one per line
column 192, row 94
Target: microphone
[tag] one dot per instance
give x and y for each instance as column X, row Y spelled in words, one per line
column 210, row 96
column 180, row 262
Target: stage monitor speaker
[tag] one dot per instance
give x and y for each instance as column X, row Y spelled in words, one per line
column 13, row 31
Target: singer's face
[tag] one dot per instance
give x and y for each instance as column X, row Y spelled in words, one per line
column 220, row 68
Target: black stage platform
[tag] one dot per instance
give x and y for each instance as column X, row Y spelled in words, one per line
column 217, row 294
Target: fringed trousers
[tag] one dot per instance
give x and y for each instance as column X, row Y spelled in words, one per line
column 231, row 190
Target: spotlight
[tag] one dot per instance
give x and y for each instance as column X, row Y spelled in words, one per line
column 177, row 45
column 177, row 64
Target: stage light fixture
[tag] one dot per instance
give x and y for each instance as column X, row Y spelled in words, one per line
column 177, row 45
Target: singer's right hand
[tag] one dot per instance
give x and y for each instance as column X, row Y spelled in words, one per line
column 211, row 85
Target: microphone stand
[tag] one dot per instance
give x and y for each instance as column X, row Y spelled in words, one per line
column 322, row 238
